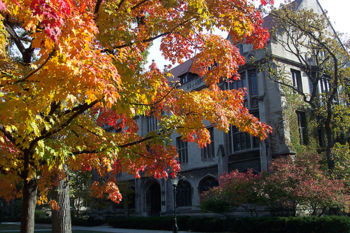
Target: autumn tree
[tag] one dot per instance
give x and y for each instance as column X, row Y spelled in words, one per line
column 311, row 40
column 80, row 69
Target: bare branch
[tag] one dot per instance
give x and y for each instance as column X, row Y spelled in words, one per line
column 139, row 4
column 97, row 7
column 82, row 108
column 37, row 69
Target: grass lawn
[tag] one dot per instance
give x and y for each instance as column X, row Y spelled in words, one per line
column 75, row 231
column 8, row 227
column 4, row 227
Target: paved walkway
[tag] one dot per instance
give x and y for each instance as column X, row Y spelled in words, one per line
column 96, row 229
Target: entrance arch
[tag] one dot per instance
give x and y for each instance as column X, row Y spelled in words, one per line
column 207, row 183
column 153, row 199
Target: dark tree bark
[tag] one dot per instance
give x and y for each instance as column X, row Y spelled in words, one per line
column 28, row 207
column 61, row 219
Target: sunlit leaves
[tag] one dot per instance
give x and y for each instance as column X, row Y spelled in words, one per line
column 77, row 98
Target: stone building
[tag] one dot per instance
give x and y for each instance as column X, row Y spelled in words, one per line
column 200, row 168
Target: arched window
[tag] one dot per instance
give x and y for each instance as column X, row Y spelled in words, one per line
column 207, row 183
column 184, row 194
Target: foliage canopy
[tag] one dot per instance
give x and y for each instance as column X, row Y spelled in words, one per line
column 69, row 67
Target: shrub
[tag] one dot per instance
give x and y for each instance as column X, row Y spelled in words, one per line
column 10, row 211
column 236, row 188
column 154, row 223
column 292, row 184
column 41, row 216
column 206, row 224
column 86, row 221
column 309, row 224
column 301, row 182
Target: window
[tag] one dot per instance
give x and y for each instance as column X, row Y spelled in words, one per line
column 240, row 47
column 236, row 84
column 237, row 141
column 248, row 80
column 296, row 78
column 324, row 85
column 152, row 124
column 253, row 86
column 241, row 140
column 311, row 86
column 187, row 77
column 181, row 147
column 302, row 127
column 183, row 194
column 208, row 151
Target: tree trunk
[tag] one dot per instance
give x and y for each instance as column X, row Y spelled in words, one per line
column 330, row 144
column 28, row 207
column 61, row 219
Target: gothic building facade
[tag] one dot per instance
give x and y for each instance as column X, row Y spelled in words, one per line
column 201, row 167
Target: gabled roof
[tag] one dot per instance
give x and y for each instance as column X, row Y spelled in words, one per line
column 268, row 20
column 182, row 68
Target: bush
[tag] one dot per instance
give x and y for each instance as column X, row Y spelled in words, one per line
column 153, row 223
column 207, row 224
column 236, row 189
column 213, row 204
column 10, row 211
column 290, row 186
column 325, row 224
column 87, row 221
column 42, row 217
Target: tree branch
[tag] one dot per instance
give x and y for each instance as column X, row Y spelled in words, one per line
column 139, row 4
column 161, row 99
column 9, row 136
column 37, row 69
column 97, row 8
column 120, row 146
column 146, row 40
column 80, row 110
column 15, row 37
column 132, row 43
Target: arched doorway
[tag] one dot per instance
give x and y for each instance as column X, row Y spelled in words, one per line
column 207, row 183
column 184, row 194
column 153, row 199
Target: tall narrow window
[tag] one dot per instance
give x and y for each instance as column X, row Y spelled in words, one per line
column 248, row 80
column 302, row 127
column 208, row 151
column 181, row 147
column 241, row 140
column 237, row 141
column 152, row 124
column 253, row 85
column 324, row 84
column 296, row 78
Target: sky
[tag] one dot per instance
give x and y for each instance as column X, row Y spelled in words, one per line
column 338, row 12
